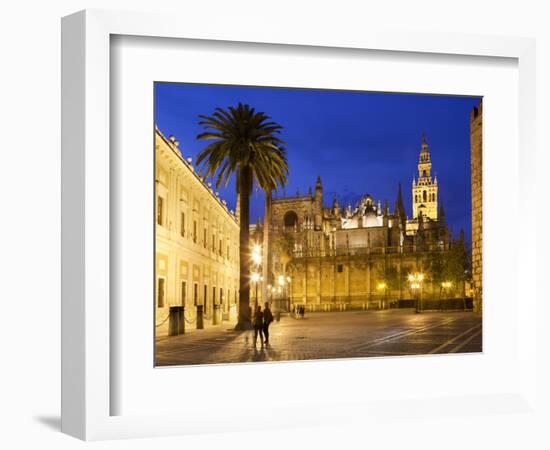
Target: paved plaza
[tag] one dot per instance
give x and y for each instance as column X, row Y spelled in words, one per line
column 329, row 335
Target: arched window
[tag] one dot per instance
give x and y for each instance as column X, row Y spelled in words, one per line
column 423, row 174
column 416, row 198
column 424, row 194
column 290, row 220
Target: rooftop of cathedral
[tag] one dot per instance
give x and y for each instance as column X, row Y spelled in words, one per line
column 298, row 196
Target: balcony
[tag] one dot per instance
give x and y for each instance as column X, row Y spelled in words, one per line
column 365, row 251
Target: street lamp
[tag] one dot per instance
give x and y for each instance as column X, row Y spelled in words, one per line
column 257, row 254
column 255, row 277
column 289, row 292
column 382, row 287
column 415, row 281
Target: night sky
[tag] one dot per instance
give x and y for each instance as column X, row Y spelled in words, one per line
column 358, row 142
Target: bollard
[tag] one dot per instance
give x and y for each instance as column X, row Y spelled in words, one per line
column 182, row 320
column 200, row 318
column 174, row 320
column 216, row 315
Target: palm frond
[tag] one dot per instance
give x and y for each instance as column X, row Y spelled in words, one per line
column 243, row 138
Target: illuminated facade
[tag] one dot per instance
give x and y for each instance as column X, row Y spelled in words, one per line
column 360, row 256
column 424, row 188
column 197, row 243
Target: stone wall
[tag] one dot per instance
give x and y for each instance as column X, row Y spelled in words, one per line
column 304, row 207
column 354, row 282
column 476, row 146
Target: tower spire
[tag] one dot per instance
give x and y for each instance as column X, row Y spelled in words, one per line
column 318, row 206
column 318, row 184
column 425, row 189
column 336, row 206
column 424, row 150
column 399, row 207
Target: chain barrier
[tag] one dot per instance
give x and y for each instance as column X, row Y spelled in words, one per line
column 189, row 321
column 164, row 321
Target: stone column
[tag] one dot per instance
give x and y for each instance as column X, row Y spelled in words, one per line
column 305, row 281
column 369, row 273
column 319, row 282
column 348, row 281
column 334, row 268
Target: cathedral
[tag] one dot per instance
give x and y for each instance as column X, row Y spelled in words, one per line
column 359, row 256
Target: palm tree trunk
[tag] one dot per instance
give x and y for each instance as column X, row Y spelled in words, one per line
column 245, row 181
column 266, row 253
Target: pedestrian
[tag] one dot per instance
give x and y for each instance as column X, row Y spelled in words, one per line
column 258, row 325
column 268, row 318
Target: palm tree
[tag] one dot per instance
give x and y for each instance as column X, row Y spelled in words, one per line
column 245, row 143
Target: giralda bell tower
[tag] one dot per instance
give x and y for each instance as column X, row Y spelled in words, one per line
column 424, row 189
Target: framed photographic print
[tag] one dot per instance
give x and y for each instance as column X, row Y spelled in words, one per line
column 318, row 215
column 330, row 269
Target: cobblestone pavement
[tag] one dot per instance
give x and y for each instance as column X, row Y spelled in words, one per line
column 329, row 335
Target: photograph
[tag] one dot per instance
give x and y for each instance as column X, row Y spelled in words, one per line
column 298, row 224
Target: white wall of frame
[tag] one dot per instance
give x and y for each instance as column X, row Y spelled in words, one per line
column 30, row 86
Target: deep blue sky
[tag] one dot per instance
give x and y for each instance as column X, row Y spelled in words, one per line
column 358, row 142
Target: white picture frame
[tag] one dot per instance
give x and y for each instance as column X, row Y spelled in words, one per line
column 87, row 355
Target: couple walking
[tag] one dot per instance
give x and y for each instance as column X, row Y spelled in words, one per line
column 261, row 322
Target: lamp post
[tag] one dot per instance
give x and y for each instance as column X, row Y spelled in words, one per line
column 255, row 277
column 288, row 280
column 415, row 281
column 256, row 256
column 382, row 286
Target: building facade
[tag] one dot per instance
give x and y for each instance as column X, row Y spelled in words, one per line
column 476, row 149
column 360, row 257
column 197, row 243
